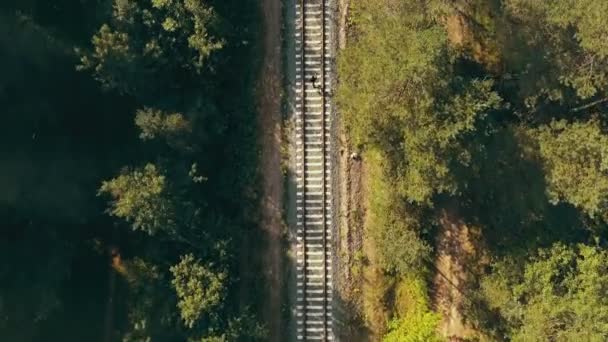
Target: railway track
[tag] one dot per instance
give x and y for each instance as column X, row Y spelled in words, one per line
column 313, row 171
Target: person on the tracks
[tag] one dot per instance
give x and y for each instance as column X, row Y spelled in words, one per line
column 313, row 80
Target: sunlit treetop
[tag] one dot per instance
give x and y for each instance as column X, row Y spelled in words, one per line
column 146, row 42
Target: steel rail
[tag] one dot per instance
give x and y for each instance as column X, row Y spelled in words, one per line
column 303, row 113
column 323, row 176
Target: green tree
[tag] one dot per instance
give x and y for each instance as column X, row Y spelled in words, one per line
column 151, row 305
column 559, row 296
column 421, row 327
column 161, row 54
column 140, row 197
column 152, row 45
column 242, row 328
column 575, row 159
column 572, row 37
column 416, row 322
column 395, row 225
column 199, row 289
column 173, row 128
column 408, row 101
column 155, row 123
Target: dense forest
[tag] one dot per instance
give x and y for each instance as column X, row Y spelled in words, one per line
column 127, row 170
column 490, row 116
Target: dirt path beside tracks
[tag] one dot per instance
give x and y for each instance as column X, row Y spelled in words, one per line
column 269, row 123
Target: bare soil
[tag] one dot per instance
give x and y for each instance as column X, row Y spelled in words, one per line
column 269, row 124
column 459, row 257
column 350, row 278
column 342, row 20
column 465, row 33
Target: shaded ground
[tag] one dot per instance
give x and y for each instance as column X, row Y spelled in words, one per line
column 269, row 123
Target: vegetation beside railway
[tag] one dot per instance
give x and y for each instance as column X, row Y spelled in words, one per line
column 494, row 112
column 128, row 184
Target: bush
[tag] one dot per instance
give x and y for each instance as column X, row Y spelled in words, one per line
column 416, row 322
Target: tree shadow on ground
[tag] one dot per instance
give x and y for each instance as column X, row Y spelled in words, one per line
column 349, row 326
column 506, row 200
column 507, row 197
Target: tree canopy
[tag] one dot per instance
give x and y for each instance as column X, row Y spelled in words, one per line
column 122, row 203
column 139, row 196
column 406, row 100
column 559, row 296
column 417, row 323
column 494, row 111
column 575, row 158
column 571, row 35
column 198, row 289
column 168, row 40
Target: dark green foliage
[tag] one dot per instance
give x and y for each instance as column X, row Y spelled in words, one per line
column 151, row 304
column 59, row 135
column 153, row 122
column 151, row 46
column 29, row 305
column 572, row 36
